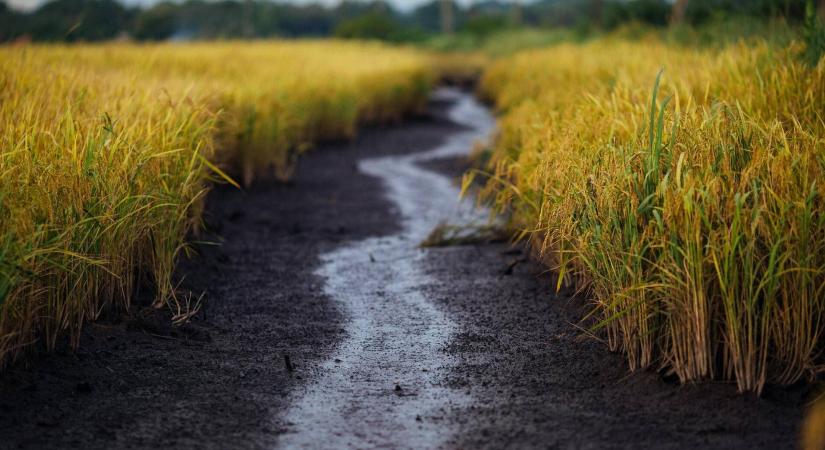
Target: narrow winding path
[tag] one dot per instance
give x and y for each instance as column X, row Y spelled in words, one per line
column 381, row 387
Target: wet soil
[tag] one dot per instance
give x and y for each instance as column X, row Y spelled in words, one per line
column 269, row 327
column 539, row 382
column 382, row 386
column 222, row 381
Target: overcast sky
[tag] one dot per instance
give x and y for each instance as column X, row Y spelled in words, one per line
column 403, row 5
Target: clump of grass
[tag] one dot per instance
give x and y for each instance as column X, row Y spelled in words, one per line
column 695, row 222
column 449, row 235
column 107, row 151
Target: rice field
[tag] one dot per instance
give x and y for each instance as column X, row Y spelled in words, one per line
column 681, row 191
column 678, row 189
column 107, row 152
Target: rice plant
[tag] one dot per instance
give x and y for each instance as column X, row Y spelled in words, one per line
column 107, row 152
column 688, row 207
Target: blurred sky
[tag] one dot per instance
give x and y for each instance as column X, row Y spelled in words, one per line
column 403, row 5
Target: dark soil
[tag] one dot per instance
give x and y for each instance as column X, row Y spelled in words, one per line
column 541, row 383
column 220, row 381
column 224, row 379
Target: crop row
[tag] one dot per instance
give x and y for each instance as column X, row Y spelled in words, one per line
column 688, row 207
column 107, row 151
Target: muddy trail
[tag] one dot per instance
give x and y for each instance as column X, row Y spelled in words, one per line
column 325, row 325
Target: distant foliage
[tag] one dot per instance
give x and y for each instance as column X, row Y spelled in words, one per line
column 377, row 26
column 70, row 20
column 814, row 35
column 87, row 20
column 651, row 12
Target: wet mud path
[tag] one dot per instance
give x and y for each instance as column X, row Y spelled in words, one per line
column 389, row 345
column 381, row 386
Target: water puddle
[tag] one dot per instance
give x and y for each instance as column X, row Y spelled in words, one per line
column 381, row 388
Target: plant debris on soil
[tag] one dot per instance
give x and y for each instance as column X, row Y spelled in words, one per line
column 445, row 235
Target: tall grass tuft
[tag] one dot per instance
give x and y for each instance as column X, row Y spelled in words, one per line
column 688, row 207
column 107, row 151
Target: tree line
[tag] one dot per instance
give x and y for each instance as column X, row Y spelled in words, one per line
column 94, row 20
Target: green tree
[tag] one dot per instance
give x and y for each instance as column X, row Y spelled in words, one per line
column 377, row 26
column 9, row 23
column 677, row 14
column 156, row 23
column 73, row 20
